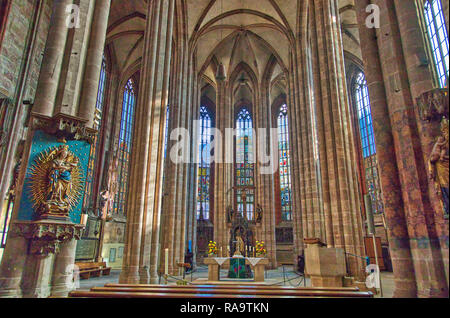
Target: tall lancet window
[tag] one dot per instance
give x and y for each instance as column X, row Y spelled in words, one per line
column 97, row 125
column 361, row 93
column 166, row 132
column 245, row 195
column 204, row 166
column 285, row 164
column 438, row 37
column 125, row 142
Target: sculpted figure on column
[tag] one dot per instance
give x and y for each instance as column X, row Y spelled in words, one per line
column 439, row 164
column 112, row 187
column 56, row 181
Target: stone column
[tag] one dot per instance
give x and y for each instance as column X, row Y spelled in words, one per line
column 63, row 269
column 307, row 220
column 390, row 183
column 265, row 231
column 329, row 236
column 445, row 6
column 221, row 186
column 36, row 280
column 398, row 79
column 144, row 193
column 94, row 60
column 12, row 264
column 175, row 204
column 420, row 81
column 333, row 109
column 53, row 57
column 297, row 223
column 193, row 174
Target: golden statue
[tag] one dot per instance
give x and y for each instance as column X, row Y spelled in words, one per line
column 56, row 182
column 240, row 246
column 439, row 171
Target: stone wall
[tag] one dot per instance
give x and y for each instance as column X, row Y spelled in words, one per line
column 13, row 52
column 14, row 44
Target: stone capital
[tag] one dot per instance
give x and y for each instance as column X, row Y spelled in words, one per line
column 63, row 126
column 45, row 237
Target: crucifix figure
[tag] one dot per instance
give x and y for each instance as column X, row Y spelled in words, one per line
column 244, row 192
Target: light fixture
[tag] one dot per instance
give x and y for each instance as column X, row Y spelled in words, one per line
column 243, row 81
column 220, row 72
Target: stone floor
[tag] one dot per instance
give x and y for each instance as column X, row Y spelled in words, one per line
column 275, row 277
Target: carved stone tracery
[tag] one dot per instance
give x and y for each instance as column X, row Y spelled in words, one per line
column 433, row 105
column 64, row 126
column 46, row 237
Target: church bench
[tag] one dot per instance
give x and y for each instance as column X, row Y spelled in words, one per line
column 93, row 269
column 239, row 291
column 105, row 269
column 91, row 294
column 208, row 286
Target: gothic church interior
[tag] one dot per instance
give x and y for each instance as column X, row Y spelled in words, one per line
column 145, row 139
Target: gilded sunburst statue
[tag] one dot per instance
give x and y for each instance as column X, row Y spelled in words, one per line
column 56, row 182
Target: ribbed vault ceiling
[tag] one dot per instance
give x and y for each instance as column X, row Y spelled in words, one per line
column 232, row 32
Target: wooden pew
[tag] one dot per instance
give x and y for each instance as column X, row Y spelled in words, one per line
column 295, row 292
column 93, row 269
column 106, row 271
column 211, row 291
column 246, row 286
column 90, row 294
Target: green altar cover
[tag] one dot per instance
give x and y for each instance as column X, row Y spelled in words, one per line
column 237, row 268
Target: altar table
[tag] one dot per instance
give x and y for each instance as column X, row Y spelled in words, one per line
column 256, row 263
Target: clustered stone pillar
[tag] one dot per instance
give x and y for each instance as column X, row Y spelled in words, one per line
column 63, row 270
column 265, row 182
column 53, row 59
column 39, row 255
column 175, row 216
column 340, row 194
column 94, row 60
column 396, row 78
column 307, row 213
column 392, row 196
column 222, row 170
column 140, row 263
column 193, row 166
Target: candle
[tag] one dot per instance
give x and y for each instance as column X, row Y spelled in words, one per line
column 220, row 255
column 84, row 218
column 167, row 262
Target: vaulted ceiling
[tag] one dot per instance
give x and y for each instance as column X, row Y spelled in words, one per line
column 232, row 32
column 237, row 31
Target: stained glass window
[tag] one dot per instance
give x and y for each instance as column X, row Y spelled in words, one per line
column 97, row 125
column 204, row 167
column 245, row 164
column 285, row 164
column 125, row 142
column 368, row 142
column 438, row 37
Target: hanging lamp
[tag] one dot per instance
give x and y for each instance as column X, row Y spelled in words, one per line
column 220, row 72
